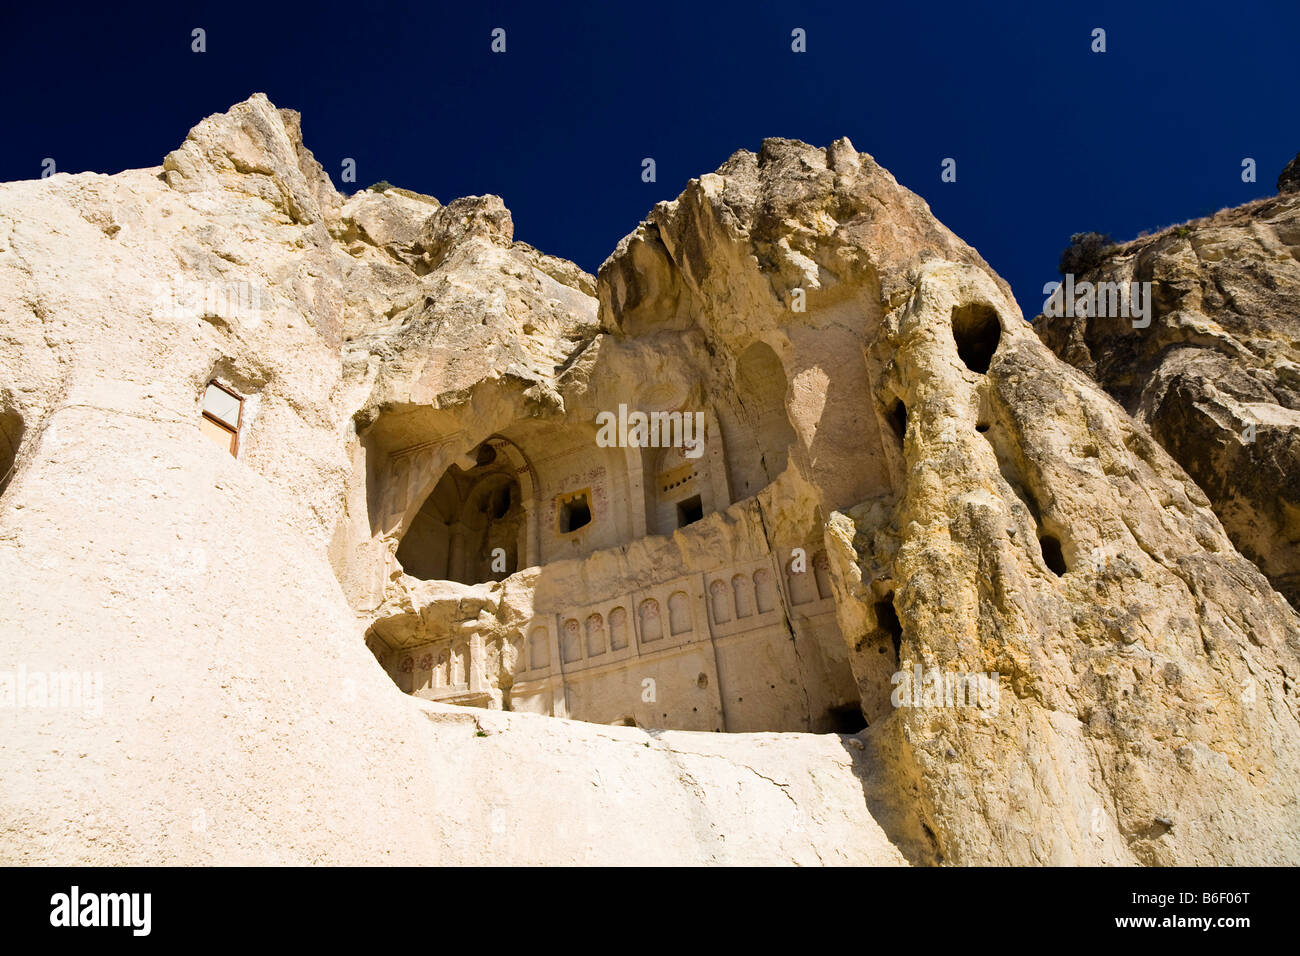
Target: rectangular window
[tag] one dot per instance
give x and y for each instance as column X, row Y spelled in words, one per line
column 689, row 511
column 223, row 412
column 573, row 511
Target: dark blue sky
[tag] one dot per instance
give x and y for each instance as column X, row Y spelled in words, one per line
column 1049, row 138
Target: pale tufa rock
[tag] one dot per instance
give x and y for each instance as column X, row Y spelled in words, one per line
column 226, row 601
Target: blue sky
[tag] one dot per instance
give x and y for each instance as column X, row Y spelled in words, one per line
column 1049, row 137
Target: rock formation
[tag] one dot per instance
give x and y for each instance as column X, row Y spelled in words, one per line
column 898, row 496
column 1216, row 375
column 1288, row 181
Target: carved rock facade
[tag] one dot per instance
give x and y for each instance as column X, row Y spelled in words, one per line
column 895, row 477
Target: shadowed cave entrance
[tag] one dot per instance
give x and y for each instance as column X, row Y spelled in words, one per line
column 470, row 529
column 620, row 626
column 977, row 332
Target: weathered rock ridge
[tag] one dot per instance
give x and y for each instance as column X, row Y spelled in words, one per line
column 1216, row 375
column 873, row 397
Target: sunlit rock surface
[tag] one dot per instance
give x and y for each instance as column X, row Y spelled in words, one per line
column 895, row 476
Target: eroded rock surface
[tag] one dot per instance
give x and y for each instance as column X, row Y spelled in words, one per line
column 1008, row 517
column 1288, row 181
column 1216, row 375
column 896, row 476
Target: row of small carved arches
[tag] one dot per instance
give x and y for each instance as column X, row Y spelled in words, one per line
column 805, row 587
column 595, row 638
column 746, row 595
column 447, row 671
column 749, row 594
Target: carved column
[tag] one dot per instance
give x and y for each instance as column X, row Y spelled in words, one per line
column 716, row 455
column 636, row 496
column 559, row 698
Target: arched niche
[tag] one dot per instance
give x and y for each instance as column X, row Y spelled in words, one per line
column 618, row 629
column 476, row 524
column 742, row 589
column 679, row 613
column 571, row 642
column 539, row 649
column 720, row 601
column 651, row 625
column 800, row 580
column 583, row 503
column 757, row 428
column 680, row 491
column 676, row 482
column 822, row 574
column 764, row 591
column 595, row 630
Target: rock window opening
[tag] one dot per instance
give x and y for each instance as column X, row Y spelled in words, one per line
column 222, row 415
column 847, row 719
column 689, row 511
column 11, row 433
column 887, row 619
column 978, row 332
column 898, row 418
column 1048, row 544
column 1052, row 555
column 574, row 512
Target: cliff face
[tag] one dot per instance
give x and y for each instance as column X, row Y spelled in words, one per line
column 204, row 608
column 984, row 511
column 1216, row 376
column 1009, row 514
